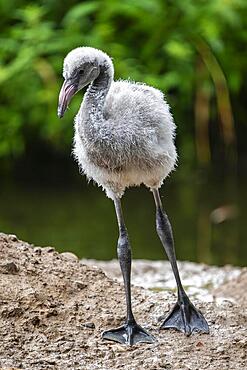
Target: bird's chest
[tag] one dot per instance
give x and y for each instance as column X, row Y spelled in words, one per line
column 99, row 145
column 105, row 160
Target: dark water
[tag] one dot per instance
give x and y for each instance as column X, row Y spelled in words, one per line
column 208, row 217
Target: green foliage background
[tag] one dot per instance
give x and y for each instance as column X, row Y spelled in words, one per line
column 193, row 50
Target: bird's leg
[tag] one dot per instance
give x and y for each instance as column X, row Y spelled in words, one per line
column 184, row 316
column 130, row 333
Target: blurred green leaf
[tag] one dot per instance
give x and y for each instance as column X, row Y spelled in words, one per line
column 80, row 11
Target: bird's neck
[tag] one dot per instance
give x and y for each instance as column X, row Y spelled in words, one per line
column 95, row 96
column 103, row 81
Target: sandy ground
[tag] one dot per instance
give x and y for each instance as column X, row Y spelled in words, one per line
column 53, row 309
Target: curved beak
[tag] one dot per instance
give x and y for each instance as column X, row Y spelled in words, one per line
column 67, row 91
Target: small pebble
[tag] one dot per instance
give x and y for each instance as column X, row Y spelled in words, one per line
column 89, row 325
column 10, row 268
column 69, row 256
column 48, row 249
column 80, row 285
column 13, row 238
column 220, row 350
column 37, row 250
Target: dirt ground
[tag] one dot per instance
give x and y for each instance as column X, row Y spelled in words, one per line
column 53, row 309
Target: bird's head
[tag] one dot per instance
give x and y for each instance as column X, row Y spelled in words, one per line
column 81, row 66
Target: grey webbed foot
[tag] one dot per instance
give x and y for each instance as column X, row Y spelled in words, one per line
column 130, row 333
column 186, row 318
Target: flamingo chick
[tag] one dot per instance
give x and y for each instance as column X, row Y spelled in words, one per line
column 124, row 136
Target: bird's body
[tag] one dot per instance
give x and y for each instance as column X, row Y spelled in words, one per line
column 131, row 143
column 124, row 131
column 124, row 136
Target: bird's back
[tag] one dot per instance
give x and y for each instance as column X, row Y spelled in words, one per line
column 139, row 118
column 132, row 144
column 137, row 130
column 131, row 104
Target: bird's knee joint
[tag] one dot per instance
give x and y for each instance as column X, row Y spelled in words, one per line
column 123, row 246
column 123, row 241
column 160, row 230
column 160, row 224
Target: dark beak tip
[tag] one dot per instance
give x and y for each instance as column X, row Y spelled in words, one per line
column 60, row 113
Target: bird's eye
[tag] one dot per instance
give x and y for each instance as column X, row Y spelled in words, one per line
column 81, row 71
